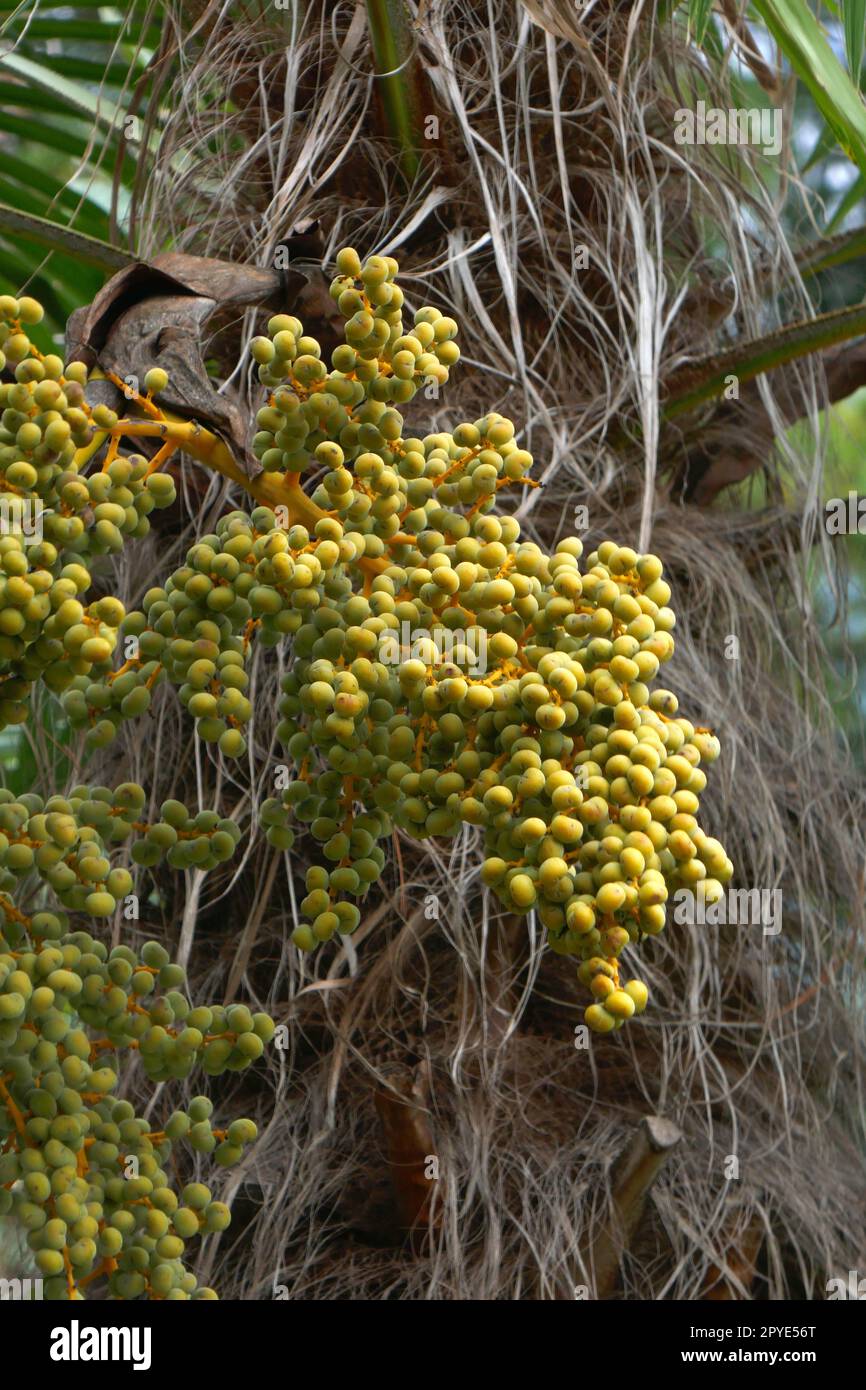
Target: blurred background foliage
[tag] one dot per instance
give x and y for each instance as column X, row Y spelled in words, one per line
column 831, row 199
column 80, row 118
column 70, row 140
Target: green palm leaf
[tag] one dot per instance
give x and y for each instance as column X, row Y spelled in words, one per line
column 837, row 250
column 707, row 379
column 699, row 18
column 40, row 231
column 104, row 114
column 70, row 152
column 804, row 43
column 854, row 24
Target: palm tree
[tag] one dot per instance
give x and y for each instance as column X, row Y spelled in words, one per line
column 433, row 1127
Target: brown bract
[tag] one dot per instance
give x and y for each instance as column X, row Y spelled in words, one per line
column 159, row 313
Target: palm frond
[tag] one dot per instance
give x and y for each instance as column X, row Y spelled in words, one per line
column 72, row 146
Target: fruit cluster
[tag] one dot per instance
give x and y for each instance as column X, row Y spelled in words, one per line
column 83, row 1175
column 57, row 523
column 448, row 672
column 443, row 672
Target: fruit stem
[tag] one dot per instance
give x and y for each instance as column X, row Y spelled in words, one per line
column 272, row 489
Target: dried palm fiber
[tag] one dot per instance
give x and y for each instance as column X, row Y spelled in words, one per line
column 558, row 140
